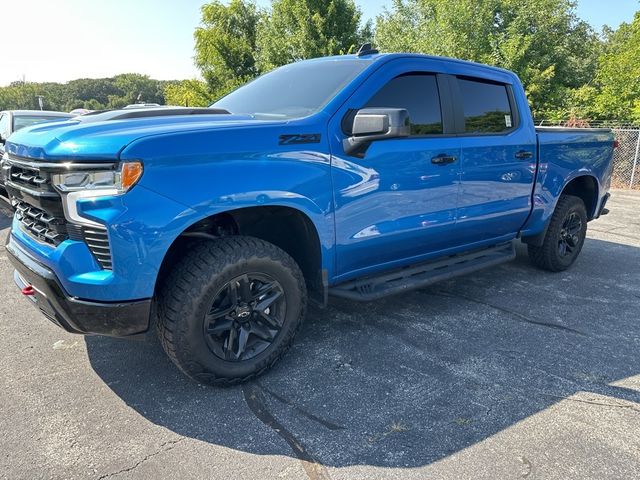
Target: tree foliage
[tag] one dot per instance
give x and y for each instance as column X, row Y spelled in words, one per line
column 299, row 29
column 238, row 41
column 617, row 91
column 226, row 44
column 90, row 93
column 189, row 93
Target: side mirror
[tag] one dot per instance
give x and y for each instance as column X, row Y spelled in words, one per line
column 369, row 124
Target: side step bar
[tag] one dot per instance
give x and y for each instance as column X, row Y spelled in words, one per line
column 421, row 275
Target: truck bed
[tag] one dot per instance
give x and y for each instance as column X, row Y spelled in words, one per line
column 574, row 148
column 563, row 155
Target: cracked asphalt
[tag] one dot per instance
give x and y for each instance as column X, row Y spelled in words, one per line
column 508, row 373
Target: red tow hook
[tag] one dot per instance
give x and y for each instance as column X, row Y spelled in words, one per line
column 28, row 290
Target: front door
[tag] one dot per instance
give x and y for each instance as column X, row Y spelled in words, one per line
column 397, row 202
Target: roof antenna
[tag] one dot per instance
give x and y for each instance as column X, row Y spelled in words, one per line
column 366, row 50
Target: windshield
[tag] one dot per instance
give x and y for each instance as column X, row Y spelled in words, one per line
column 293, row 91
column 21, row 121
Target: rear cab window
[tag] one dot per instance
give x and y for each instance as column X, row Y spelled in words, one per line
column 487, row 106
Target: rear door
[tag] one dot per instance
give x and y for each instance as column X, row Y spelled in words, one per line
column 498, row 160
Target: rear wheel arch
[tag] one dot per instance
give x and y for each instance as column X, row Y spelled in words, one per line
column 564, row 236
column 586, row 188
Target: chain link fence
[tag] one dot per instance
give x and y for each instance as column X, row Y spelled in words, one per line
column 626, row 167
column 626, row 158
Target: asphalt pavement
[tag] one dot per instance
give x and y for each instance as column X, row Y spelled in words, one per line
column 508, row 373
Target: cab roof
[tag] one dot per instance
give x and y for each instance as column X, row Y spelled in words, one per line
column 376, row 57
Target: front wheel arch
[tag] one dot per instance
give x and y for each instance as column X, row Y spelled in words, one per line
column 285, row 227
column 185, row 305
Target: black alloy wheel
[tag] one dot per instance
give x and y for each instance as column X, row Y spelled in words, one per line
column 564, row 237
column 245, row 317
column 229, row 309
column 569, row 234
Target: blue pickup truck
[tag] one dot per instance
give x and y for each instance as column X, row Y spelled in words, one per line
column 356, row 176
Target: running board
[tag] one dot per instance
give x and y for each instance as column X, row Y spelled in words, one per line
column 421, row 275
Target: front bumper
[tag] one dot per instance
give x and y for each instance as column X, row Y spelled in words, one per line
column 119, row 319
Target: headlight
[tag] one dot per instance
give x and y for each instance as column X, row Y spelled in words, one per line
column 101, row 182
column 77, row 185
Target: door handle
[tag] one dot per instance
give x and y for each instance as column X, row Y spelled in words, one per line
column 443, row 159
column 524, row 155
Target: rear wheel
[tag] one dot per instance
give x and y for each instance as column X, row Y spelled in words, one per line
column 230, row 309
column 564, row 238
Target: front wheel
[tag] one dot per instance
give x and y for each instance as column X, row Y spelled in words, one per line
column 230, row 309
column 564, row 238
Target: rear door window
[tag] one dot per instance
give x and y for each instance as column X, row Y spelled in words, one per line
column 486, row 106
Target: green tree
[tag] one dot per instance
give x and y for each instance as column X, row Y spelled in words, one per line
column 618, row 76
column 20, row 95
column 543, row 41
column 237, row 42
column 133, row 88
column 93, row 94
column 299, row 29
column 85, row 89
column 226, row 44
column 188, row 93
column 92, row 104
column 460, row 29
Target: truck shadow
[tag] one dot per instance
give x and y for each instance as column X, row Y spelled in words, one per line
column 409, row 380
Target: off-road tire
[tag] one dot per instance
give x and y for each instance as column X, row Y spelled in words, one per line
column 548, row 256
column 186, row 295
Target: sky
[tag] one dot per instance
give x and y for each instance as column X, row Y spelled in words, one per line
column 68, row 39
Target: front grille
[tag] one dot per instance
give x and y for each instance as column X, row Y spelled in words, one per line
column 41, row 225
column 39, row 209
column 28, row 176
column 38, row 205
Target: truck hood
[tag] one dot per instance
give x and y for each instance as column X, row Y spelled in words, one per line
column 103, row 136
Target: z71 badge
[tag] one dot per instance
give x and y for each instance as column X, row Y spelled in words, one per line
column 299, row 138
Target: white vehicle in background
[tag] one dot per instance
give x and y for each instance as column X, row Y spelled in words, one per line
column 80, row 111
column 13, row 120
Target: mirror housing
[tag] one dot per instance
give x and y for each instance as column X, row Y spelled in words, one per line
column 370, row 124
